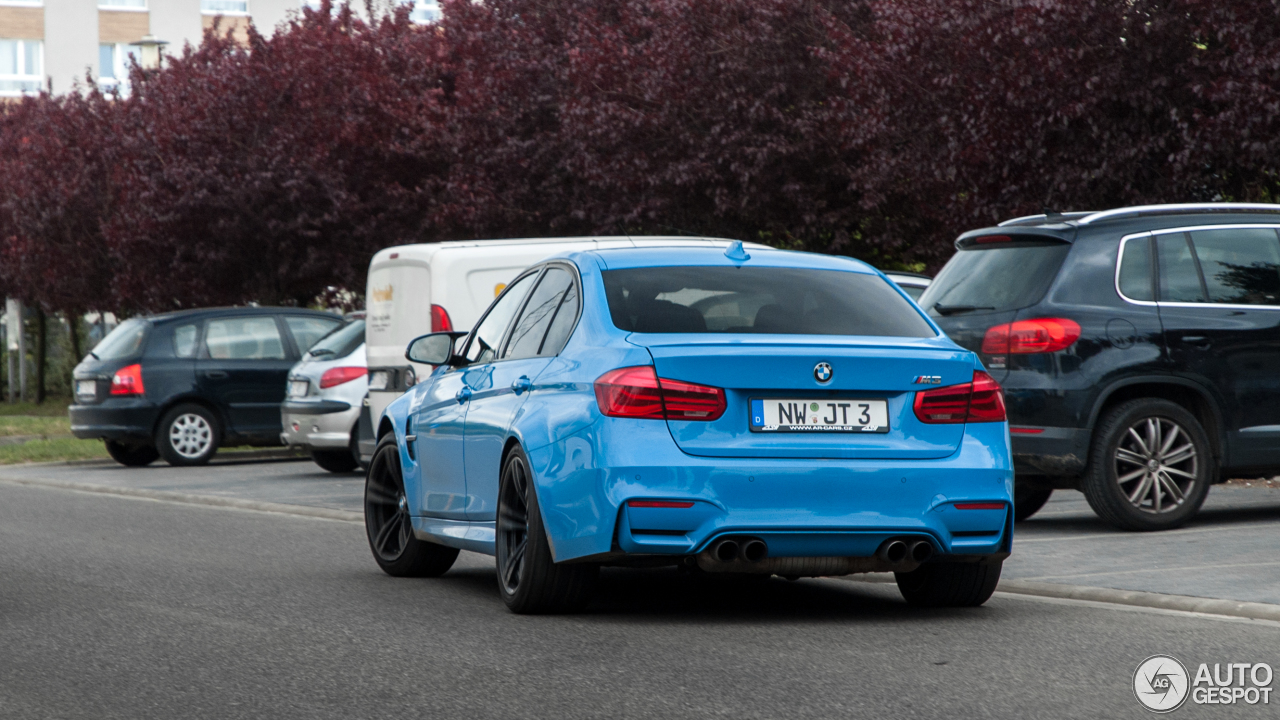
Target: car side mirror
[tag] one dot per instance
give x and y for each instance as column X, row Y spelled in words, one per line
column 433, row 349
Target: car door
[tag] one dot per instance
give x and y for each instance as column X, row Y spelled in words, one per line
column 438, row 420
column 501, row 386
column 1219, row 299
column 242, row 370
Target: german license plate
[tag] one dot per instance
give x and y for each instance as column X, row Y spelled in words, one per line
column 298, row 388
column 829, row 415
column 86, row 388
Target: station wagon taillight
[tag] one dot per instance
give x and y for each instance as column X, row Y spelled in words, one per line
column 638, row 392
column 973, row 402
column 128, row 381
column 440, row 321
column 1024, row 337
column 339, row 375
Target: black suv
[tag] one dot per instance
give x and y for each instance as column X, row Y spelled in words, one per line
column 182, row 384
column 1139, row 350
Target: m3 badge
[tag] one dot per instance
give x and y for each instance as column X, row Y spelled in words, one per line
column 927, row 380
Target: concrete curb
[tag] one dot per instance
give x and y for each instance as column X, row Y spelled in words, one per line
column 190, row 499
column 229, row 457
column 1136, row 598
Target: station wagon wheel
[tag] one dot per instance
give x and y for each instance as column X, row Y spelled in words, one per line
column 1150, row 466
column 389, row 524
column 513, row 522
column 530, row 580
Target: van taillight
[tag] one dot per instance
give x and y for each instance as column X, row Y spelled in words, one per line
column 440, row 320
column 978, row 401
column 637, row 392
column 1042, row 335
column 339, row 375
column 128, row 381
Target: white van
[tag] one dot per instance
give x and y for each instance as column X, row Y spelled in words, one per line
column 417, row 289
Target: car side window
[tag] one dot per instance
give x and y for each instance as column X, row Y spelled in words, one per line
column 1135, row 270
column 530, row 330
column 1179, row 276
column 244, row 338
column 483, row 345
column 184, row 341
column 1241, row 266
column 307, row 330
column 563, row 323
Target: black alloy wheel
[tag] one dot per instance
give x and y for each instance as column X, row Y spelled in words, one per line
column 389, row 526
column 530, row 581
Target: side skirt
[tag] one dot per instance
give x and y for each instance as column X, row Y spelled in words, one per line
column 461, row 534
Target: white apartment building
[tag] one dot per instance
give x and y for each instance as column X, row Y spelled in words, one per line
column 55, row 43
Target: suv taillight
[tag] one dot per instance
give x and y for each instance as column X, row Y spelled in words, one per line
column 1042, row 335
column 440, row 321
column 637, row 392
column 128, row 381
column 971, row 402
column 339, row 375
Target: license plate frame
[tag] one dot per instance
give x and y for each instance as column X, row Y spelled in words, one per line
column 873, row 409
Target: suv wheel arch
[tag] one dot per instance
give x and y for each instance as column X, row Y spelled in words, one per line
column 1195, row 397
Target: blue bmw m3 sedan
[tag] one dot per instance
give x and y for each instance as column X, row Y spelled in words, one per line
column 724, row 409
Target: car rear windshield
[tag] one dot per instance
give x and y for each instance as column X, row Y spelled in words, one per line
column 785, row 301
column 340, row 343
column 125, row 341
column 1004, row 277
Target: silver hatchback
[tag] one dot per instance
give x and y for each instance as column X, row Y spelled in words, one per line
column 324, row 396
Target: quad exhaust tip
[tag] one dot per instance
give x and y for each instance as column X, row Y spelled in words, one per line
column 725, row 551
column 896, row 552
column 751, row 550
column 754, row 550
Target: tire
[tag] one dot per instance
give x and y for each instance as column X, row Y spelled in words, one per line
column 944, row 584
column 132, row 455
column 531, row 583
column 387, row 523
column 1028, row 498
column 188, row 435
column 335, row 461
column 1150, row 466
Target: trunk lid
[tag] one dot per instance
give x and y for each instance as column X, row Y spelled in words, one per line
column 783, row 367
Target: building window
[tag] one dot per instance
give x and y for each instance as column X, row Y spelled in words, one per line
column 424, row 11
column 122, row 4
column 21, row 66
column 224, row 7
column 113, row 65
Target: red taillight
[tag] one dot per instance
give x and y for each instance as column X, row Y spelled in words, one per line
column 659, row 503
column 128, row 381
column 985, row 239
column 440, row 321
column 1042, row 335
column 975, row 402
column 980, row 506
column 636, row 392
column 339, row 375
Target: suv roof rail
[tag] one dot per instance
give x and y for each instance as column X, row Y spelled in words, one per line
column 1179, row 208
column 1032, row 219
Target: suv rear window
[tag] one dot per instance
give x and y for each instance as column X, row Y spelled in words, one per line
column 785, row 301
column 1005, row 277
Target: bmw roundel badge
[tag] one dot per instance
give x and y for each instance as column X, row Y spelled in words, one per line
column 822, row 372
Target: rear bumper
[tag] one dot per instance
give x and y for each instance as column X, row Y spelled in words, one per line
column 322, row 424
column 1050, row 450
column 801, row 508
column 116, row 419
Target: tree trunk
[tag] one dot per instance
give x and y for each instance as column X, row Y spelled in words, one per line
column 42, row 337
column 73, row 326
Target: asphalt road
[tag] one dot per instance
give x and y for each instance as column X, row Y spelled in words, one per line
column 114, row 607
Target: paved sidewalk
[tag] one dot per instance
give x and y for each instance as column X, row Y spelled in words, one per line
column 1227, row 552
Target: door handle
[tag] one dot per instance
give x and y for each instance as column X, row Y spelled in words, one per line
column 463, row 395
column 215, row 375
column 1199, row 340
column 522, row 384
